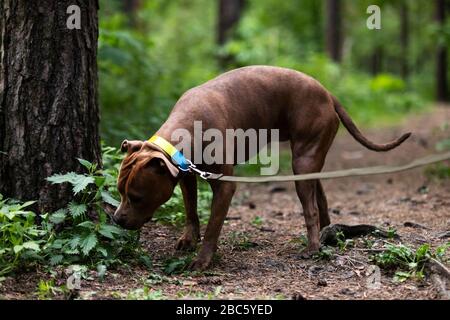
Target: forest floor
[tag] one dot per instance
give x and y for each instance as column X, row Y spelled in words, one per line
column 258, row 256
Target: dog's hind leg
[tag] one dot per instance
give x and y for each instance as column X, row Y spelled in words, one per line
column 191, row 233
column 323, row 206
column 307, row 193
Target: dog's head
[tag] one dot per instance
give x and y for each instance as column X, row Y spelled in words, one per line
column 147, row 179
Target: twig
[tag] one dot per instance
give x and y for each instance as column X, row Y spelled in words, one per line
column 440, row 267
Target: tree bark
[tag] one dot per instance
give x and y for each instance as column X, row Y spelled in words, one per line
column 229, row 15
column 334, row 29
column 48, row 97
column 441, row 56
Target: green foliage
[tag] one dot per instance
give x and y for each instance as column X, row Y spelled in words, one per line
column 21, row 240
column 176, row 265
column 343, row 243
column 407, row 262
column 46, row 290
column 88, row 235
column 257, row 221
column 81, row 233
column 325, row 253
column 144, row 68
column 440, row 170
column 172, row 212
column 240, row 241
column 146, row 294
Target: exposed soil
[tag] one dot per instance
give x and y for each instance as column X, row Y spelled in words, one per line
column 263, row 260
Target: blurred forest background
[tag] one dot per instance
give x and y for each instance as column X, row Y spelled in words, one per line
column 150, row 52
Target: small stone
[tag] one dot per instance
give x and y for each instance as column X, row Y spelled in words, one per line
column 336, row 211
column 322, row 283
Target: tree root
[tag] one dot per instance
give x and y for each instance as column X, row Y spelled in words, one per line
column 330, row 234
column 440, row 275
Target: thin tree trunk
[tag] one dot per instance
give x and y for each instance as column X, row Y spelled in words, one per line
column 48, row 97
column 229, row 15
column 377, row 60
column 334, row 29
column 130, row 7
column 404, row 38
column 441, row 57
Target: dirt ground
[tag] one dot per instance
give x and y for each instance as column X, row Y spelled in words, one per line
column 259, row 257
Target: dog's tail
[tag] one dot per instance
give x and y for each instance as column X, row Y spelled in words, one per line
column 354, row 131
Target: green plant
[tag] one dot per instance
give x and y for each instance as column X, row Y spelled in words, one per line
column 342, row 242
column 146, row 294
column 176, row 265
column 172, row 212
column 240, row 241
column 407, row 262
column 47, row 290
column 88, row 234
column 257, row 221
column 21, row 240
column 325, row 253
column 81, row 233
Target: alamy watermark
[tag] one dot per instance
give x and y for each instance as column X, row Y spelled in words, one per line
column 374, row 20
column 234, row 146
column 74, row 20
column 373, row 280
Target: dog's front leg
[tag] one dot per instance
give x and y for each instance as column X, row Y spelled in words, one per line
column 222, row 194
column 191, row 232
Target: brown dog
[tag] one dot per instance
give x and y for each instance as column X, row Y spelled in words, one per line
column 256, row 97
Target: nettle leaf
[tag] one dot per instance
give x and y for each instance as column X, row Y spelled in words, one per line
column 72, row 252
column 55, row 260
column 88, row 243
column 87, row 225
column 99, row 181
column 17, row 248
column 62, row 178
column 26, row 204
column 88, row 165
column 107, row 197
column 103, row 251
column 81, row 183
column 74, row 242
column 58, row 216
column 31, row 245
column 76, row 209
column 109, row 231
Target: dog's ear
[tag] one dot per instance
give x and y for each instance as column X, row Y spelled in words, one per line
column 163, row 163
column 131, row 146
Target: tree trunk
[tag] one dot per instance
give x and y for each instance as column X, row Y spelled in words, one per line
column 229, row 15
column 377, row 60
column 334, row 29
column 48, row 97
column 130, row 7
column 441, row 57
column 404, row 38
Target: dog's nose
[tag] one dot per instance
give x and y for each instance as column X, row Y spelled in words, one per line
column 118, row 219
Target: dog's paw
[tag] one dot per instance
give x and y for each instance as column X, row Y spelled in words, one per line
column 200, row 264
column 186, row 243
column 309, row 252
